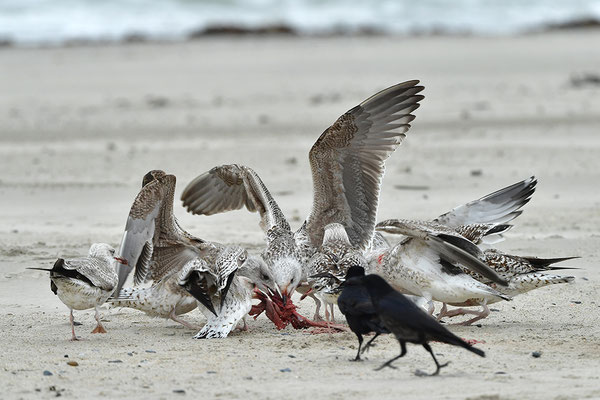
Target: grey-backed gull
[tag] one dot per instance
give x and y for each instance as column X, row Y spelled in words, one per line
column 83, row 283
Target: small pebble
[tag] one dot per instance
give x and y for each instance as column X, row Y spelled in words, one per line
column 248, row 378
column 576, row 302
column 66, row 356
column 285, row 370
column 500, row 373
column 536, row 354
column 130, row 354
column 476, row 172
column 48, row 373
column 180, row 391
column 115, row 361
column 211, row 372
column 150, row 351
column 72, row 363
column 291, row 356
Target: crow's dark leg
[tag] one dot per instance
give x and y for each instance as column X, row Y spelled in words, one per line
column 437, row 364
column 370, row 342
column 360, row 341
column 402, row 353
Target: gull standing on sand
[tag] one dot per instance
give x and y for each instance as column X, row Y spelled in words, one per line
column 427, row 262
column 83, row 283
column 183, row 269
column 347, row 165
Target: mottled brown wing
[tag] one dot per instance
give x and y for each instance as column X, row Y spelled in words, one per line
column 151, row 213
column 347, row 162
column 231, row 187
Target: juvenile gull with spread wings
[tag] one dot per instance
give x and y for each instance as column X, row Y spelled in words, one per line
column 82, row 283
column 347, row 164
column 185, row 271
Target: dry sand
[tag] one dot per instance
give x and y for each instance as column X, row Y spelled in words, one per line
column 80, row 126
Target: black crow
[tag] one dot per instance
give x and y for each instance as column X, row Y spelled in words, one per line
column 406, row 320
column 355, row 303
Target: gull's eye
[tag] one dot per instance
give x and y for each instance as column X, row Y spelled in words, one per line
column 242, row 257
column 264, row 277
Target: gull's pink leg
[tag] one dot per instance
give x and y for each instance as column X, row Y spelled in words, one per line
column 332, row 314
column 99, row 328
column 485, row 311
column 175, row 318
column 431, row 307
column 317, row 316
column 442, row 312
column 73, row 337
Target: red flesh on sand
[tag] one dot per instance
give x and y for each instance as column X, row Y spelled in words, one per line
column 283, row 315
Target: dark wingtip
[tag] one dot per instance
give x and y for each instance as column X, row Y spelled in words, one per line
column 226, row 289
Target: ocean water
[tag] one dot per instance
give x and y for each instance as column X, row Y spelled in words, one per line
column 55, row 21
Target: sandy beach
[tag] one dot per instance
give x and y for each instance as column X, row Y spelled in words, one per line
column 80, row 126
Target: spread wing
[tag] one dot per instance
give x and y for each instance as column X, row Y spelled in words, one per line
column 499, row 207
column 347, row 162
column 231, row 187
column 151, row 216
column 449, row 245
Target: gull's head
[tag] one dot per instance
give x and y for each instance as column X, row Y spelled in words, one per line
column 257, row 271
column 102, row 250
column 287, row 274
column 329, row 267
column 226, row 265
column 152, row 175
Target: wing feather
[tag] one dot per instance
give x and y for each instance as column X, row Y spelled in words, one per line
column 231, row 187
column 347, row 162
column 450, row 246
column 499, row 207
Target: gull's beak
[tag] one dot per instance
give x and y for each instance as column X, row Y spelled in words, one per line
column 122, row 260
column 123, row 270
column 285, row 294
column 226, row 289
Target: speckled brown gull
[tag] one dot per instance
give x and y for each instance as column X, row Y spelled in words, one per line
column 159, row 250
column 347, row 165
